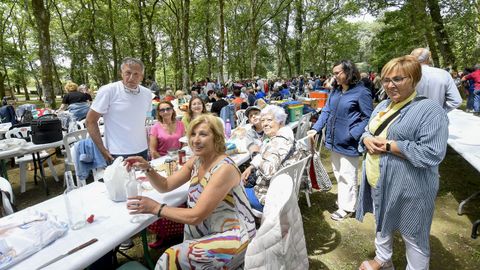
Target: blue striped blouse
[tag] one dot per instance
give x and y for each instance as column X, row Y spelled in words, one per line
column 404, row 197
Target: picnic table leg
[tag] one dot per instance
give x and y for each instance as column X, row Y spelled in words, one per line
column 38, row 161
column 3, row 169
column 146, row 252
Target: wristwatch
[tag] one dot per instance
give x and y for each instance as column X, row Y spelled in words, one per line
column 388, row 146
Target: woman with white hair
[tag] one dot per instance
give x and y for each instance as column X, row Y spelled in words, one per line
column 277, row 147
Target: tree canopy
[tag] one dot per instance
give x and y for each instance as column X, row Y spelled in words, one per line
column 47, row 42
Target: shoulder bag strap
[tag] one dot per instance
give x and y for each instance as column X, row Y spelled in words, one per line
column 389, row 119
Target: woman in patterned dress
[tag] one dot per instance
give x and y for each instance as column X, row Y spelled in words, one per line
column 218, row 219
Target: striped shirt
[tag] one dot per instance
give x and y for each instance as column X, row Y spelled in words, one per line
column 404, row 197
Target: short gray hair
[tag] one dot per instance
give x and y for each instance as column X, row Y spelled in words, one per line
column 132, row 61
column 423, row 55
column 277, row 112
column 476, row 67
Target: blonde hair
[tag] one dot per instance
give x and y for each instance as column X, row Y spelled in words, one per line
column 408, row 64
column 215, row 126
column 179, row 93
column 71, row 86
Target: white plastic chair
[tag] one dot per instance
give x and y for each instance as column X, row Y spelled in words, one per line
column 7, row 202
column 68, row 140
column 303, row 126
column 24, row 133
column 241, row 118
column 295, row 171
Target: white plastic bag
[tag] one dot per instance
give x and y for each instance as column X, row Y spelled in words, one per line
column 115, row 177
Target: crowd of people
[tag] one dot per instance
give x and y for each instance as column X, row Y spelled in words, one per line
column 403, row 140
column 397, row 145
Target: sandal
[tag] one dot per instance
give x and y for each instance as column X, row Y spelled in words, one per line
column 341, row 215
column 383, row 265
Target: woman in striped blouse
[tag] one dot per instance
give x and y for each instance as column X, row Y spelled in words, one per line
column 405, row 141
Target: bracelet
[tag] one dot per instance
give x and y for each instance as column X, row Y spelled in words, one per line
column 160, row 210
column 149, row 169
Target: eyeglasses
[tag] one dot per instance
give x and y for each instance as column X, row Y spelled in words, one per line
column 394, row 80
column 131, row 91
column 164, row 110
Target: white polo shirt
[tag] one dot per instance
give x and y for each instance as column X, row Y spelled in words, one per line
column 124, row 116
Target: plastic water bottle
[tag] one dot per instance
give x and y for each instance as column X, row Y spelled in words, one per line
column 228, row 129
column 74, row 203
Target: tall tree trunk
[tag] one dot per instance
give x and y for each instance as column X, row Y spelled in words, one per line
column 153, row 41
column 422, row 21
column 115, row 74
column 185, row 43
column 254, row 37
column 208, row 41
column 283, row 41
column 142, row 39
column 298, row 36
column 101, row 73
column 476, row 52
column 3, row 27
column 221, row 42
column 441, row 34
column 42, row 18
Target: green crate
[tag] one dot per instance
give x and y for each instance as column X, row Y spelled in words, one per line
column 295, row 112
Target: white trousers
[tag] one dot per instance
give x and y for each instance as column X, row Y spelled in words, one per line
column 416, row 259
column 345, row 169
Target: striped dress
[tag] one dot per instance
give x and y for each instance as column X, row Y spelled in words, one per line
column 404, row 197
column 220, row 241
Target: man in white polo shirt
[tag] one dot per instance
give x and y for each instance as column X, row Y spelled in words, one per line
column 124, row 106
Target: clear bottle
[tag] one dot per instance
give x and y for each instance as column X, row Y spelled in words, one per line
column 132, row 184
column 74, row 203
column 228, row 129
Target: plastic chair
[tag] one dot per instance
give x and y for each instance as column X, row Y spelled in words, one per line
column 7, row 196
column 295, row 171
column 68, row 141
column 303, row 126
column 24, row 133
column 241, row 117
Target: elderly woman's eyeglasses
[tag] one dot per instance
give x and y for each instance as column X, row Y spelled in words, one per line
column 394, row 80
column 164, row 110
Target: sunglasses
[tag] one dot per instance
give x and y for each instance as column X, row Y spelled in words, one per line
column 164, row 110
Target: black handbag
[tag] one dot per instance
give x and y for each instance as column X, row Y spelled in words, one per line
column 46, row 129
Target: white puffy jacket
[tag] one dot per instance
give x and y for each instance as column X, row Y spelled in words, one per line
column 279, row 242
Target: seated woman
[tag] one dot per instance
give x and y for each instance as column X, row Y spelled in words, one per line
column 218, row 220
column 75, row 101
column 276, row 149
column 165, row 133
column 196, row 107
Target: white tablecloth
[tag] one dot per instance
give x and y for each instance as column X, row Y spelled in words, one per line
column 28, row 148
column 111, row 227
column 464, row 136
